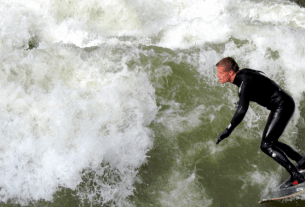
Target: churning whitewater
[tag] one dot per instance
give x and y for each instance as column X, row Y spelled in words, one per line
column 117, row 103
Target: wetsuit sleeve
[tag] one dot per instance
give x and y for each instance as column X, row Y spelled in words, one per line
column 242, row 108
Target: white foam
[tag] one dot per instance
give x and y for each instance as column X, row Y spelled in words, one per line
column 184, row 192
column 264, row 180
column 61, row 115
column 176, row 122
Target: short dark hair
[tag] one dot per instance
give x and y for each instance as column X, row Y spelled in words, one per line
column 229, row 64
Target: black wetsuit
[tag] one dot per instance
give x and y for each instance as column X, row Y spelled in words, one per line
column 255, row 86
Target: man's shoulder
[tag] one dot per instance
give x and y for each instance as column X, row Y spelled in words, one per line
column 251, row 78
column 246, row 74
column 248, row 70
column 252, row 74
column 256, row 79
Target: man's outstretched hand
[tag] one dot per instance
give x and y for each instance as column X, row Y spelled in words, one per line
column 223, row 135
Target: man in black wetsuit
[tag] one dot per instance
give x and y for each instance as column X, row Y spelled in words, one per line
column 255, row 86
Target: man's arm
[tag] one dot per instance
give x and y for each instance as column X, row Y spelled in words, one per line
column 239, row 114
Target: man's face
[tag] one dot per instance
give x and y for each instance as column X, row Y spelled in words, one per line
column 223, row 75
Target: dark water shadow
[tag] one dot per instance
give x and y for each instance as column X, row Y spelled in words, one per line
column 284, row 203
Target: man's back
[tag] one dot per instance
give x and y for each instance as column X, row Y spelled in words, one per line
column 256, row 86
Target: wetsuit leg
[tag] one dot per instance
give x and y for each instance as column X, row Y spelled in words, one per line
column 289, row 151
column 276, row 124
column 279, row 156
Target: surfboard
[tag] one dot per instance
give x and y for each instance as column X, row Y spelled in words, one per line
column 278, row 194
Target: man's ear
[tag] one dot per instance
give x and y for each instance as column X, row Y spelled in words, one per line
column 231, row 72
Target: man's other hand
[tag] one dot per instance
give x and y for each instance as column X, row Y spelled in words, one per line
column 223, row 135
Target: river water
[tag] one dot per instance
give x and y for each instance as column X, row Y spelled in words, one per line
column 117, row 103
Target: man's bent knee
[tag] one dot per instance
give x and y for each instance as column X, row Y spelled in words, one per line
column 267, row 148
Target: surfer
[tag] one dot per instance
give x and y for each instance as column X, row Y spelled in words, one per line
column 256, row 86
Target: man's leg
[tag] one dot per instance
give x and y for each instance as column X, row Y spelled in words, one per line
column 291, row 153
column 275, row 126
column 280, row 157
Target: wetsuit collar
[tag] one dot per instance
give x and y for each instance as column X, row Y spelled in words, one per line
column 237, row 80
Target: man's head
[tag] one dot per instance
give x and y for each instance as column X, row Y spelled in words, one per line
column 227, row 69
column 229, row 64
